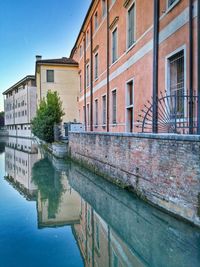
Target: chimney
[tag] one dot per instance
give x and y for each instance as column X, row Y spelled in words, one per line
column 38, row 57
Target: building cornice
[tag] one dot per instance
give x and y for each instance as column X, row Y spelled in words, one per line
column 27, row 78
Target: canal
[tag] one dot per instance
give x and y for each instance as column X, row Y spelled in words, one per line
column 56, row 213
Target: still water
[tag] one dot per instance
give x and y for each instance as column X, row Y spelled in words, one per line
column 56, row 213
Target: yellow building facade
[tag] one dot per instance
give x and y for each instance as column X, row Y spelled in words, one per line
column 60, row 75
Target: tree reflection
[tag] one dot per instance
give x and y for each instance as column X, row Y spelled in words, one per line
column 2, row 147
column 49, row 184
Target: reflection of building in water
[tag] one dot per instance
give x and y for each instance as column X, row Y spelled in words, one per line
column 99, row 244
column 118, row 229
column 20, row 156
column 66, row 211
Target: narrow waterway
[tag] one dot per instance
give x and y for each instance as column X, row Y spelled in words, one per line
column 56, row 213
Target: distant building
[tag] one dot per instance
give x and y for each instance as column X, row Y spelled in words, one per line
column 20, row 107
column 59, row 75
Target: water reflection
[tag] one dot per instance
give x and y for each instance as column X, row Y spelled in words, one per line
column 20, row 157
column 111, row 226
column 57, row 203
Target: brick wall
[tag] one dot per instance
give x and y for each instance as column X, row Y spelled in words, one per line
column 163, row 169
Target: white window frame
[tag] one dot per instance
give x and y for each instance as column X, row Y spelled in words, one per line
column 104, row 124
column 96, row 67
column 87, row 37
column 127, row 24
column 80, row 51
column 80, row 82
column 167, row 72
column 114, row 29
column 103, row 5
column 126, row 101
column 96, row 111
column 88, row 76
column 47, row 76
column 96, row 22
column 88, row 113
column 115, row 89
column 169, row 7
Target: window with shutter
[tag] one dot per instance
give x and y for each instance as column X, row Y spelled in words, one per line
column 104, row 110
column 114, row 45
column 131, row 25
column 114, row 106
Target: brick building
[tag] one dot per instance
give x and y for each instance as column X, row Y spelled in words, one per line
column 129, row 51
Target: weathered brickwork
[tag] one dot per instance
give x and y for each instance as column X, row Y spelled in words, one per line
column 163, row 169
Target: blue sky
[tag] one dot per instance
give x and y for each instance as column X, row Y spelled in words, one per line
column 31, row 27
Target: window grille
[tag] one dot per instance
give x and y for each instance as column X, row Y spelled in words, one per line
column 176, row 83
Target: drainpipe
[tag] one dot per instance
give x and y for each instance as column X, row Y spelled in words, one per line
column 155, row 65
column 198, row 66
column 91, row 76
column 108, row 71
column 190, row 66
column 85, row 117
column 40, row 83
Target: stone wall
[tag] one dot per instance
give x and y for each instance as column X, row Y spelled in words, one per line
column 163, row 169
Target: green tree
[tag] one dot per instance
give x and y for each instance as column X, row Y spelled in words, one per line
column 50, row 112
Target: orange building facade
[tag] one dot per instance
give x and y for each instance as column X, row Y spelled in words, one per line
column 116, row 51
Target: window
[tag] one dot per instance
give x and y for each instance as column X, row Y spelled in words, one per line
column 96, row 21
column 115, row 260
column 84, row 115
column 131, row 25
column 114, row 45
column 171, row 2
column 103, row 8
column 176, row 83
column 88, row 220
column 96, row 112
column 96, row 66
column 114, row 106
column 97, row 236
column 50, row 76
column 87, row 75
column 87, row 37
column 80, row 50
column 129, row 106
column 104, row 109
column 80, row 83
column 130, row 93
column 88, row 114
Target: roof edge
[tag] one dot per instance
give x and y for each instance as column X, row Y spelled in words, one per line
column 81, row 30
column 28, row 77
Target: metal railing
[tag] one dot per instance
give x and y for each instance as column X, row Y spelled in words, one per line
column 176, row 114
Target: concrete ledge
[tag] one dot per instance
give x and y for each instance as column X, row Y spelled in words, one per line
column 59, row 150
column 176, row 137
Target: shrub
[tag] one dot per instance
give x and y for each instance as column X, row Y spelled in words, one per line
column 50, row 112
